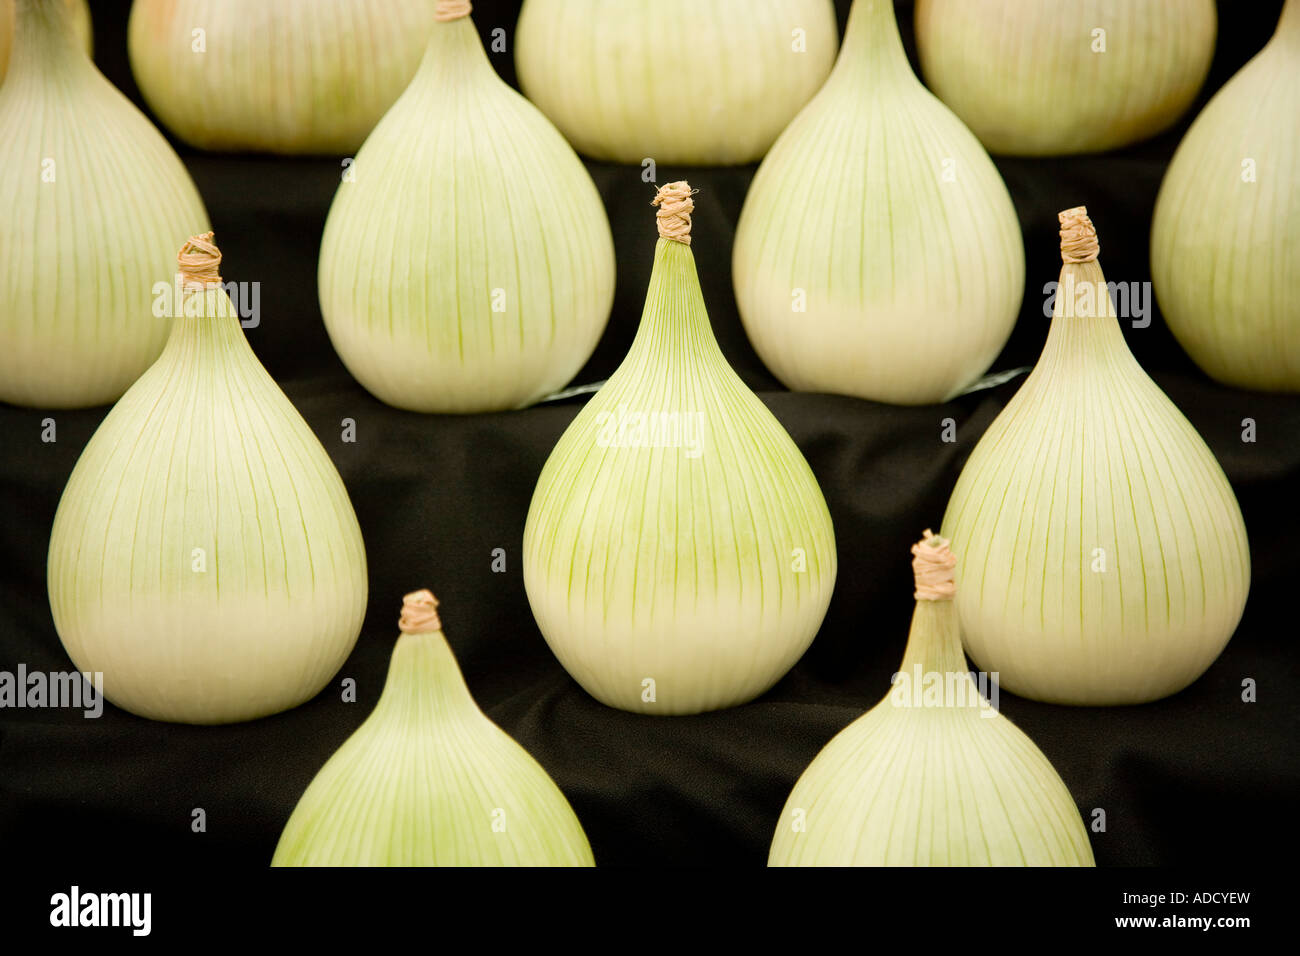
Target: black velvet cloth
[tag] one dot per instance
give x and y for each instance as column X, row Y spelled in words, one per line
column 1201, row 777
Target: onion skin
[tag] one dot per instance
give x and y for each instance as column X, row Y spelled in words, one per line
column 1225, row 238
column 1023, row 75
column 1102, row 557
column 605, row 73
column 277, row 76
column 81, row 242
column 469, row 266
column 205, row 452
column 911, row 281
column 656, row 563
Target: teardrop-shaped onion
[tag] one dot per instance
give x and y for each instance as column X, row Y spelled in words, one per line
column 1225, row 240
column 878, row 253
column 933, row 775
column 280, row 76
column 687, row 82
column 467, row 264
column 1055, row 77
column 205, row 556
column 81, row 25
column 428, row 780
column 94, row 200
column 1102, row 555
column 678, row 553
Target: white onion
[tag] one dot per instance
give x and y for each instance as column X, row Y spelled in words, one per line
column 428, row 780
column 688, row 82
column 878, row 253
column 932, row 775
column 205, row 557
column 678, row 553
column 1225, row 240
column 467, row 264
column 1102, row 555
column 94, row 202
column 281, row 76
column 1049, row 78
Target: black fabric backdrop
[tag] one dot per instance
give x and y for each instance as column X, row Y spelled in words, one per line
column 1198, row 778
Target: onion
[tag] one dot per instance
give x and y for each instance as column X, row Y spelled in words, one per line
column 1050, row 78
column 428, row 780
column 205, row 557
column 1102, row 555
column 280, row 76
column 94, row 200
column 604, row 72
column 1225, row 240
column 678, row 554
column 467, row 264
column 878, row 253
column 932, row 775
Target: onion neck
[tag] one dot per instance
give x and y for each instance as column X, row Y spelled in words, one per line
column 453, row 54
column 424, row 682
column 207, row 332
column 1288, row 25
column 45, row 39
column 934, row 642
column 674, row 324
column 1085, row 332
column 872, row 48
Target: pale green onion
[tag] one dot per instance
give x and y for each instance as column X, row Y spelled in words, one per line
column 933, row 775
column 1102, row 555
column 678, row 553
column 878, row 253
column 467, row 264
column 281, row 76
column 94, row 202
column 687, row 82
column 205, row 556
column 1054, row 77
column 1225, row 240
column 428, row 780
